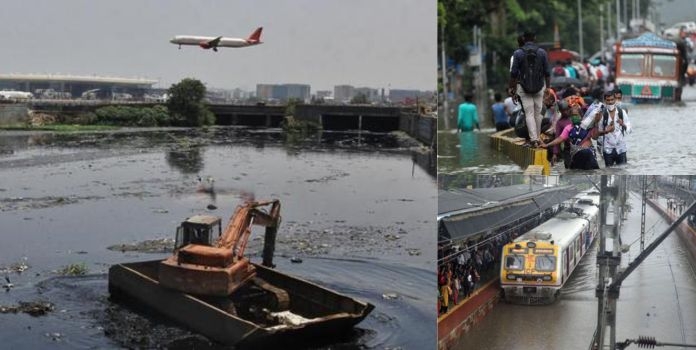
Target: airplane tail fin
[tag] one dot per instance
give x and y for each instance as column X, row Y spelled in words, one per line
column 255, row 37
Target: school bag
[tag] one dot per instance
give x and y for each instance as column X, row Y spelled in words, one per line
column 531, row 70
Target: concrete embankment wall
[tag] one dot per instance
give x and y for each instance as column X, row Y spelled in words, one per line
column 452, row 325
column 687, row 234
column 422, row 128
column 512, row 146
column 14, row 113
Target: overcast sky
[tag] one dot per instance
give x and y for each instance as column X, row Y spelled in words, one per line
column 376, row 43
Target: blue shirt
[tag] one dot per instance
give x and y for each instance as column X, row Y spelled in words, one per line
column 518, row 56
column 499, row 114
column 468, row 116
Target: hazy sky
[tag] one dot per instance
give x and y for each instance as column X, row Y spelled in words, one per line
column 377, row 43
column 672, row 11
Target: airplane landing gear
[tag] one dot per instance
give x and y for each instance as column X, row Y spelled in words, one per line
column 179, row 46
column 215, row 49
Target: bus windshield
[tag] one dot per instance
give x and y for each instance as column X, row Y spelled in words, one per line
column 514, row 262
column 664, row 66
column 545, row 263
column 632, row 64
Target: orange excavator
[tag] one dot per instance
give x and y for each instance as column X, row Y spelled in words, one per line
column 209, row 262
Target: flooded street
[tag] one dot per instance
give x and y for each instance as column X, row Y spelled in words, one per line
column 658, row 299
column 357, row 210
column 656, row 146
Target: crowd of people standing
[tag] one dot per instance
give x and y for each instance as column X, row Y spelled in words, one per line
column 575, row 123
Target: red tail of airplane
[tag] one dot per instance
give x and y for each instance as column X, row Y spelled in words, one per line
column 255, row 37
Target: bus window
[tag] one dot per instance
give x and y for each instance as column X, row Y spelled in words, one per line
column 664, row 66
column 632, row 64
column 545, row 263
column 514, row 262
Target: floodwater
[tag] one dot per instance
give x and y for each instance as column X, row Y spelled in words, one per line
column 357, row 210
column 657, row 145
column 658, row 299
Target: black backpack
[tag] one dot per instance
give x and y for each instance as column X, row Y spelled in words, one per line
column 531, row 70
column 605, row 118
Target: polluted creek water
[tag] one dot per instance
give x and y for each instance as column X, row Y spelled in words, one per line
column 356, row 209
column 658, row 299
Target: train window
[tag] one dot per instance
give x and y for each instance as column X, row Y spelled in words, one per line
column 545, row 263
column 514, row 262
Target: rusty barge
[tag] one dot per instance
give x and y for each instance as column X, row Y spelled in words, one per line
column 209, row 286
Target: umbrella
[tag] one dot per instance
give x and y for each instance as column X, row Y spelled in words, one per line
column 563, row 82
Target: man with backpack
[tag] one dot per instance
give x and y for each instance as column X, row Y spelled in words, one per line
column 613, row 127
column 529, row 78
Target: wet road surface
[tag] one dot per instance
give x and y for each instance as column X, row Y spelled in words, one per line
column 658, row 299
column 358, row 212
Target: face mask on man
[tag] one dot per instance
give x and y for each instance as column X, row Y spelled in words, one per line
column 575, row 119
column 611, row 107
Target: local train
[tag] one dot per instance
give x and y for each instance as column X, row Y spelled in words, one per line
column 538, row 263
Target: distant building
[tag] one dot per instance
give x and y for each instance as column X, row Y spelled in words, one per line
column 322, row 94
column 73, row 86
column 343, row 93
column 297, row 91
column 407, row 96
column 264, row 91
column 371, row 94
column 283, row 92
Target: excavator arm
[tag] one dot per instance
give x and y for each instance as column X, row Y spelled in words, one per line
column 236, row 235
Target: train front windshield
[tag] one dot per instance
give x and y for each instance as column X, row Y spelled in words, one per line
column 545, row 263
column 514, row 262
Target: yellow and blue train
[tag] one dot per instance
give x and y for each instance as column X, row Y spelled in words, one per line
column 538, row 263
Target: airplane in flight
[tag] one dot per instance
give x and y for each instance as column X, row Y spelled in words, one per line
column 209, row 42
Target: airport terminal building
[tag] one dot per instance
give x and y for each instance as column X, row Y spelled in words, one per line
column 75, row 86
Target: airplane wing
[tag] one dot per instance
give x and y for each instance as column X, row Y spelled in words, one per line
column 214, row 42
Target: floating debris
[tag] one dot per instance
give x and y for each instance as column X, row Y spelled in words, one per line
column 17, row 267
column 211, row 207
column 74, row 270
column 390, row 296
column 7, row 285
column 33, row 308
column 295, row 260
column 54, row 336
column 162, row 245
column 413, row 251
column 391, row 237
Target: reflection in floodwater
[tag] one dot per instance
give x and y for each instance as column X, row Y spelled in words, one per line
column 186, row 159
